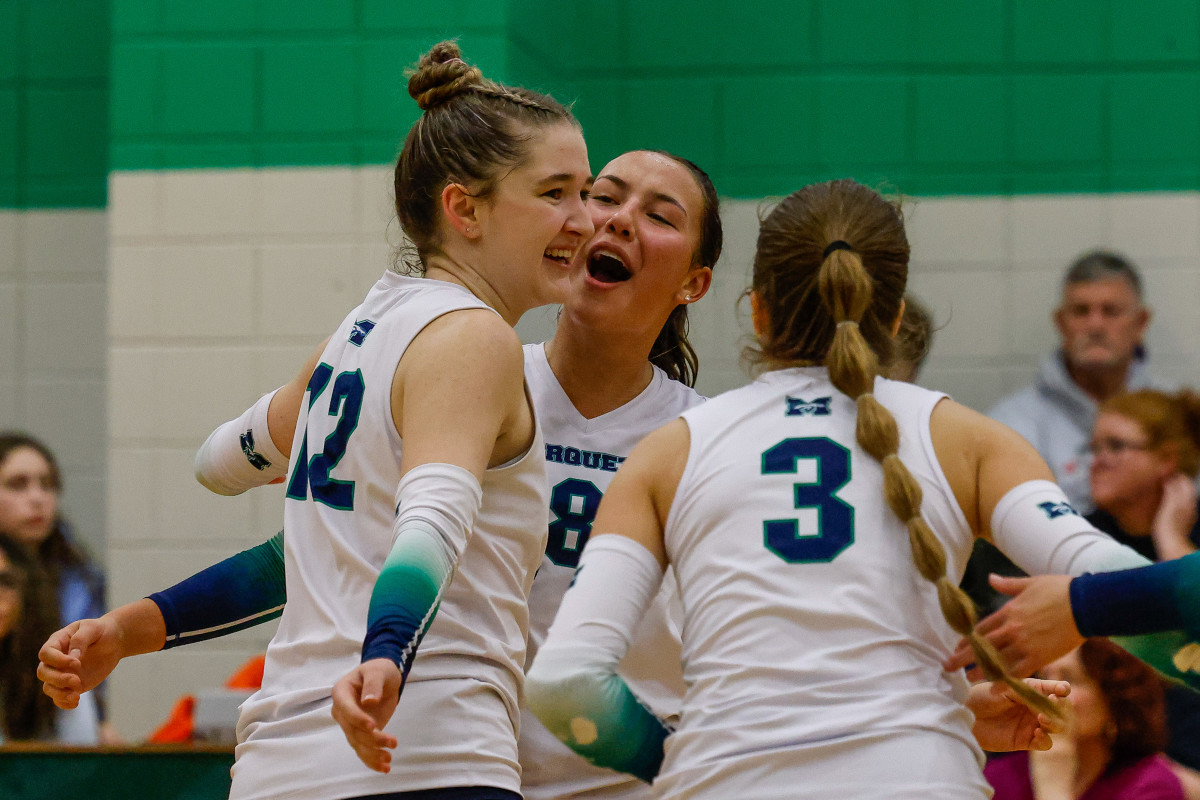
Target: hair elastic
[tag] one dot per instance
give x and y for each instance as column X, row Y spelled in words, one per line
column 836, row 244
column 847, row 322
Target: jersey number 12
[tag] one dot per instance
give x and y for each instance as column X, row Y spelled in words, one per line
column 345, row 403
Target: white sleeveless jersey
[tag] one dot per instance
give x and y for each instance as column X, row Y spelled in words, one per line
column 581, row 457
column 457, row 718
column 812, row 647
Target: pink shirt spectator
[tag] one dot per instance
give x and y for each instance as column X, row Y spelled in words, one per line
column 1148, row 779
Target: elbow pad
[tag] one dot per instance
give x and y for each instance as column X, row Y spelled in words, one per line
column 1037, row 528
column 240, row 454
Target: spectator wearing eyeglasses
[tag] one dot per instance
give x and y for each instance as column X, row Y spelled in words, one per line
column 1145, row 450
column 1145, row 454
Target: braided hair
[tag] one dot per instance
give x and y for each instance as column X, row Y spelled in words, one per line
column 830, row 268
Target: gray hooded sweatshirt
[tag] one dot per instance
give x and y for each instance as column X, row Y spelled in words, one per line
column 1056, row 416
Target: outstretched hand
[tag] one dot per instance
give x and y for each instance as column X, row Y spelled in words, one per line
column 1031, row 630
column 1003, row 722
column 77, row 658
column 363, row 702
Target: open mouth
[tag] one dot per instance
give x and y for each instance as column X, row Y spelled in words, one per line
column 606, row 267
column 561, row 255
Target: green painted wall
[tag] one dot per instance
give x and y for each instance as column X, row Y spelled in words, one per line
column 930, row 96
column 238, row 83
column 54, row 62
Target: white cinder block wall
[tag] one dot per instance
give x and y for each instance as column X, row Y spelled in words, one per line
column 53, row 349
column 223, row 282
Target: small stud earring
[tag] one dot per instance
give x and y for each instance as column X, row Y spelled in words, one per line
column 687, row 298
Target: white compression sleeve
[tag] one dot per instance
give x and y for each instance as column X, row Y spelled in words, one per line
column 573, row 685
column 240, row 455
column 1035, row 526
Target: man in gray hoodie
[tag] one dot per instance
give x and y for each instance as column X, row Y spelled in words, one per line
column 1102, row 322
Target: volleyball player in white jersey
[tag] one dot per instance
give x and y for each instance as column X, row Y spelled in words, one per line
column 793, row 511
column 416, row 470
column 619, row 366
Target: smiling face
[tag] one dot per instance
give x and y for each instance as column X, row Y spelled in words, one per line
column 648, row 211
column 1126, row 470
column 531, row 225
column 28, row 496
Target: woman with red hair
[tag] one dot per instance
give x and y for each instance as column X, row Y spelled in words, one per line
column 1112, row 749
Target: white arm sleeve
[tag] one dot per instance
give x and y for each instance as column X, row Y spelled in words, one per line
column 240, row 455
column 573, row 686
column 1037, row 528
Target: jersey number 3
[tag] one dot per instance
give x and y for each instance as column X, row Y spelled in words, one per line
column 834, row 517
column 345, row 404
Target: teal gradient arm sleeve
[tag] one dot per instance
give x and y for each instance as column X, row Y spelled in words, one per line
column 1153, row 612
column 240, row 592
column 436, row 506
column 587, row 705
column 573, row 686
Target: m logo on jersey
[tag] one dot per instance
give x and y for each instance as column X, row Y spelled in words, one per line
column 253, row 456
column 361, row 328
column 799, row 407
column 1056, row 510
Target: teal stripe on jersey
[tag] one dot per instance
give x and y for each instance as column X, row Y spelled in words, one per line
column 406, row 594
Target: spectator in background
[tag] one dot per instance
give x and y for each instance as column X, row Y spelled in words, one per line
column 28, row 614
column 1112, row 747
column 912, row 342
column 1145, row 457
column 30, row 486
column 1101, row 321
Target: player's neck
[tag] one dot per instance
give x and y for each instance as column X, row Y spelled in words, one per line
column 598, row 374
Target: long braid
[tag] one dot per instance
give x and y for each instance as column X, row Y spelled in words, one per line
column 846, row 290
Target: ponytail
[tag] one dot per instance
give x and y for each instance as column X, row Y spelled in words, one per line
column 846, row 290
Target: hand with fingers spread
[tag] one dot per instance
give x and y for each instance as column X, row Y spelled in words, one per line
column 1003, row 722
column 363, row 702
column 1031, row 630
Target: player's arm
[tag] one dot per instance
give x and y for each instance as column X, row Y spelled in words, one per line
column 573, row 685
column 243, row 590
column 1008, row 495
column 1152, row 612
column 253, row 449
column 459, row 404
